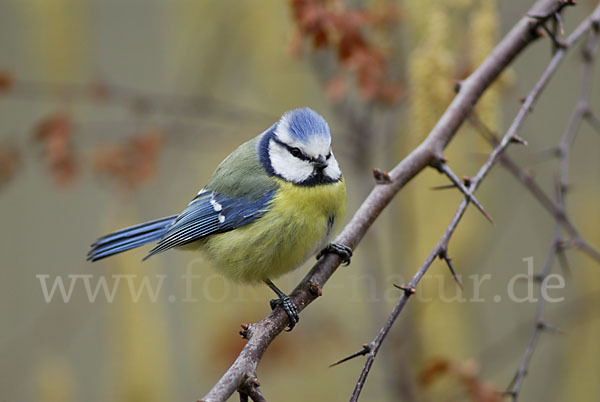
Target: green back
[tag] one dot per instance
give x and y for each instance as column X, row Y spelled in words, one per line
column 241, row 174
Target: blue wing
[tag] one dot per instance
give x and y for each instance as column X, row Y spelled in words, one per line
column 211, row 213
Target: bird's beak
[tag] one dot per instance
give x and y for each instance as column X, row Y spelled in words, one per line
column 320, row 162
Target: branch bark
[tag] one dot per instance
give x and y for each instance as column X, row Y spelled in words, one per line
column 429, row 152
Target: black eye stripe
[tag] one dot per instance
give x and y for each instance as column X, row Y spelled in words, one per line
column 296, row 152
column 293, row 151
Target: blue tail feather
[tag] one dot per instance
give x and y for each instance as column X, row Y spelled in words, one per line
column 129, row 238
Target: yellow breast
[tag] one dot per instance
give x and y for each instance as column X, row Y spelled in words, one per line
column 299, row 223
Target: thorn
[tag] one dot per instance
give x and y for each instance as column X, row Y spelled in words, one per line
column 522, row 100
column 543, row 326
column 516, row 139
column 443, row 255
column 457, row 85
column 448, row 172
column 480, row 208
column 314, row 289
column 443, row 187
column 245, row 332
column 563, row 261
column 366, row 349
column 408, row 290
column 381, row 176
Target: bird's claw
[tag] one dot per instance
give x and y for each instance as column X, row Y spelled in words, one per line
column 290, row 309
column 340, row 249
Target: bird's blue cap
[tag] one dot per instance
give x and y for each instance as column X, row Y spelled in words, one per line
column 304, row 123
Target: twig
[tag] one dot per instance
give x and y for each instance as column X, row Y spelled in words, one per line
column 262, row 333
column 444, row 168
column 556, row 210
column 138, row 101
column 556, row 247
column 515, row 384
column 249, row 388
column 475, row 181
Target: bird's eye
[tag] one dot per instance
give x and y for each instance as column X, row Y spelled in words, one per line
column 296, row 152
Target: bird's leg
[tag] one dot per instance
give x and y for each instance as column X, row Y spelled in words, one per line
column 338, row 248
column 286, row 303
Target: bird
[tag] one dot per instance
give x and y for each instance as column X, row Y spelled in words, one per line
column 269, row 206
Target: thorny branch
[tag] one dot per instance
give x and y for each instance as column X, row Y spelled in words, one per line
column 526, row 178
column 557, row 245
column 428, row 153
column 509, row 137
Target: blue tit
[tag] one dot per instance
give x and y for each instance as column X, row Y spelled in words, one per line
column 271, row 204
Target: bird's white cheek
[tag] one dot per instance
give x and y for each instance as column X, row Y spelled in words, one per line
column 290, row 168
column 333, row 169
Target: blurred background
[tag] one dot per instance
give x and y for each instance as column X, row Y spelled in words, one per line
column 117, row 112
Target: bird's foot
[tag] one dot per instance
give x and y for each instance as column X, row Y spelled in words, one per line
column 290, row 309
column 338, row 248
